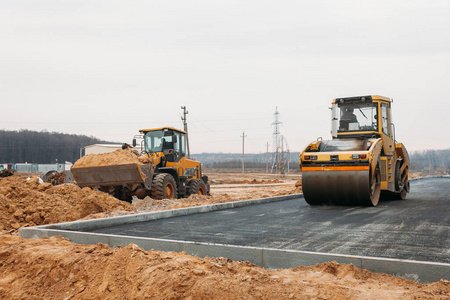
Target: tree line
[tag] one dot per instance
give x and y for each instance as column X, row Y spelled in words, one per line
column 234, row 160
column 430, row 159
column 425, row 160
column 42, row 147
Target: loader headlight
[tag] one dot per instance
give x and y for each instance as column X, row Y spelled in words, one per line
column 359, row 156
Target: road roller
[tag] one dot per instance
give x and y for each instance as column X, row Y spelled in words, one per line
column 362, row 162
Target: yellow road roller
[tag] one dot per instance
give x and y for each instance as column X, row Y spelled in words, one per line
column 362, row 162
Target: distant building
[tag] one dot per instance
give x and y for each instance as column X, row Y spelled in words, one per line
column 101, row 148
column 41, row 168
column 6, row 167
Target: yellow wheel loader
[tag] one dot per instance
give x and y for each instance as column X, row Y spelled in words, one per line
column 361, row 162
column 168, row 173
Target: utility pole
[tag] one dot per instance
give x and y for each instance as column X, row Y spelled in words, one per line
column 243, row 136
column 267, row 158
column 186, row 141
column 276, row 141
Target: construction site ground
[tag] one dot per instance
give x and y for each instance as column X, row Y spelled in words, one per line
column 56, row 268
column 417, row 229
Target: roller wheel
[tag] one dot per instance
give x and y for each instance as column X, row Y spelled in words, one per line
column 308, row 191
column 401, row 185
column 164, row 187
column 402, row 195
column 197, row 187
column 375, row 186
column 312, row 200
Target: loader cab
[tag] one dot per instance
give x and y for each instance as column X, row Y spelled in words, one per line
column 169, row 141
column 361, row 117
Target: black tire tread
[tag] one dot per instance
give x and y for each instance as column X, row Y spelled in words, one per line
column 159, row 184
column 195, row 185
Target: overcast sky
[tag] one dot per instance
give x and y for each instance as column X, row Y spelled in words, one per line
column 109, row 68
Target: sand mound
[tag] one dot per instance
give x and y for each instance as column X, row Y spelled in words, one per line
column 54, row 268
column 57, row 178
column 246, row 181
column 26, row 202
column 110, row 159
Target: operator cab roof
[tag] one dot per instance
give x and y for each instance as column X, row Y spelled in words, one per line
column 161, row 129
column 367, row 99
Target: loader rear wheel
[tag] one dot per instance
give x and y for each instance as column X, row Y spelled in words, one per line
column 197, row 187
column 123, row 193
column 164, row 187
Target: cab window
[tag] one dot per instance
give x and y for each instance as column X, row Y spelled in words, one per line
column 385, row 118
column 182, row 144
column 357, row 117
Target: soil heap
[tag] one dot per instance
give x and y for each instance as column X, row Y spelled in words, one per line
column 26, row 202
column 117, row 157
column 54, row 268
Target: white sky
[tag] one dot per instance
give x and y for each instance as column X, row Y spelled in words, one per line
column 108, row 68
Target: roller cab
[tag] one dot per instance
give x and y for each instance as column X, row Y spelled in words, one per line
column 361, row 162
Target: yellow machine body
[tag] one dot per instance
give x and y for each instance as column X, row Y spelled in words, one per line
column 361, row 162
column 168, row 173
column 171, row 153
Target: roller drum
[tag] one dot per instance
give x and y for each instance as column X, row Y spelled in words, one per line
column 341, row 187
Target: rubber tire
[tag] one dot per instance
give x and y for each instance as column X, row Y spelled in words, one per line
column 164, row 187
column 197, row 187
column 399, row 195
column 122, row 193
column 375, row 187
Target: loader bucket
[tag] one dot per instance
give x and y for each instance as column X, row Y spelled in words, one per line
column 116, row 175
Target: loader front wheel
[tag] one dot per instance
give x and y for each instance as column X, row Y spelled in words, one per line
column 164, row 187
column 197, row 187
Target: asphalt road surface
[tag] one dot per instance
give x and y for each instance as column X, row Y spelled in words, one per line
column 417, row 228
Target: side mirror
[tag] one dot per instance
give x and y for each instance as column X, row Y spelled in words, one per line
column 174, row 139
column 134, row 143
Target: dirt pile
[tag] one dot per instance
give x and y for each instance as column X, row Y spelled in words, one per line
column 26, row 202
column 296, row 190
column 57, row 178
column 246, row 181
column 110, row 159
column 116, row 158
column 6, row 173
column 255, row 181
column 54, row 268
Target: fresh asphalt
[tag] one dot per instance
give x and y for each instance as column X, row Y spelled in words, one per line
column 417, row 228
